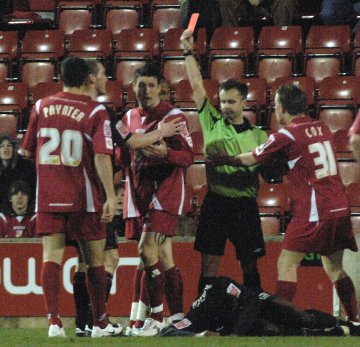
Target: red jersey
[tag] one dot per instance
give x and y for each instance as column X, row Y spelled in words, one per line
column 66, row 130
column 152, row 182
column 17, row 226
column 355, row 128
column 316, row 189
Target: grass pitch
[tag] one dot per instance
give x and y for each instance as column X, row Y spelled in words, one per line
column 38, row 337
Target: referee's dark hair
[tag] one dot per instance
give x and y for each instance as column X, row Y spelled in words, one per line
column 74, row 71
column 233, row 84
column 292, row 99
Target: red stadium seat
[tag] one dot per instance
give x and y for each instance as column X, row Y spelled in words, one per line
column 325, row 49
column 356, row 54
column 278, row 48
column 136, row 43
column 35, row 71
column 198, row 145
column 42, row 5
column 165, row 14
column 75, row 15
column 337, row 101
column 256, row 99
column 44, row 89
column 271, row 225
column 8, row 53
column 193, row 121
column 8, row 124
column 113, row 97
column 273, row 198
column 95, row 44
column 120, row 15
column 125, row 69
column 353, row 193
column 349, row 172
column 229, row 52
column 341, row 142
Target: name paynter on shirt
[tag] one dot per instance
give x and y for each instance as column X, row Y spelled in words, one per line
column 63, row 110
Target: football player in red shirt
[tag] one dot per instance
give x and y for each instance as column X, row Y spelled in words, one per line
column 70, row 136
column 321, row 216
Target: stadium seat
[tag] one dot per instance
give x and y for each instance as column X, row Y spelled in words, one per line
column 74, row 15
column 44, row 89
column 271, row 225
column 120, row 15
column 355, row 221
column 8, row 53
column 326, row 47
column 356, row 54
column 273, row 199
column 165, row 14
column 42, row 5
column 256, row 100
column 125, row 69
column 113, row 97
column 349, row 172
column 353, row 194
column 193, row 121
column 277, row 50
column 8, row 124
column 341, row 142
column 33, row 72
column 229, row 52
column 137, row 43
column 338, row 98
column 198, row 146
column 198, row 198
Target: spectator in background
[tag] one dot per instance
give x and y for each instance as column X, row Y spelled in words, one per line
column 334, row 12
column 165, row 91
column 18, row 220
column 13, row 167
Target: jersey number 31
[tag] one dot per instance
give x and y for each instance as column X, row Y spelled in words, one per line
column 325, row 161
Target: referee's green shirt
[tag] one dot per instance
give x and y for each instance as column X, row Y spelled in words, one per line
column 222, row 137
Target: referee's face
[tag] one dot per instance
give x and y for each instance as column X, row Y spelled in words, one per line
column 231, row 104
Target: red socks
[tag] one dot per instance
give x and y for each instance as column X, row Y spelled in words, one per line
column 50, row 281
column 155, row 283
column 286, row 290
column 97, row 288
column 174, row 290
column 346, row 291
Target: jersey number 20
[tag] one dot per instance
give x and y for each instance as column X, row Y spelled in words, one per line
column 325, row 161
column 70, row 143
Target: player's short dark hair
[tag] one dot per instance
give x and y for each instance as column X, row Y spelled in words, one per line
column 292, row 99
column 233, row 84
column 150, row 69
column 74, row 71
column 19, row 186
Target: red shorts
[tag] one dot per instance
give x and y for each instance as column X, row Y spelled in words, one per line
column 76, row 226
column 324, row 237
column 158, row 221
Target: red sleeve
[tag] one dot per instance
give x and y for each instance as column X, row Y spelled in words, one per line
column 180, row 150
column 102, row 139
column 355, row 128
column 276, row 142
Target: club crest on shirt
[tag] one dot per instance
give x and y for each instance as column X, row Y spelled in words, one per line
column 122, row 129
column 183, row 324
column 233, row 290
column 267, row 143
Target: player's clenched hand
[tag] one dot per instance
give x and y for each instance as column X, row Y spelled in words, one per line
column 157, row 151
column 108, row 210
column 170, row 128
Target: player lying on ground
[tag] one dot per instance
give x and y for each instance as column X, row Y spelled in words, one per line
column 227, row 307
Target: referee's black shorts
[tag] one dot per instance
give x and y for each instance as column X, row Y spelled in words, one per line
column 236, row 219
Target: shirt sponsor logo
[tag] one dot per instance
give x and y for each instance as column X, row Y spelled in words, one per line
column 122, row 129
column 233, row 290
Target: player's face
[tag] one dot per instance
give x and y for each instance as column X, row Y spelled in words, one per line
column 6, row 150
column 19, row 202
column 147, row 90
column 100, row 80
column 231, row 104
column 279, row 110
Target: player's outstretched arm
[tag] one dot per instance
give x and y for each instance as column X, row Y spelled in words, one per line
column 104, row 169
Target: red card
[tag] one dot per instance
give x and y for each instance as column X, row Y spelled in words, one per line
column 193, row 20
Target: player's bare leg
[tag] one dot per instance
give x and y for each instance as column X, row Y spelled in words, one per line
column 287, row 266
column 333, row 266
column 53, row 252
